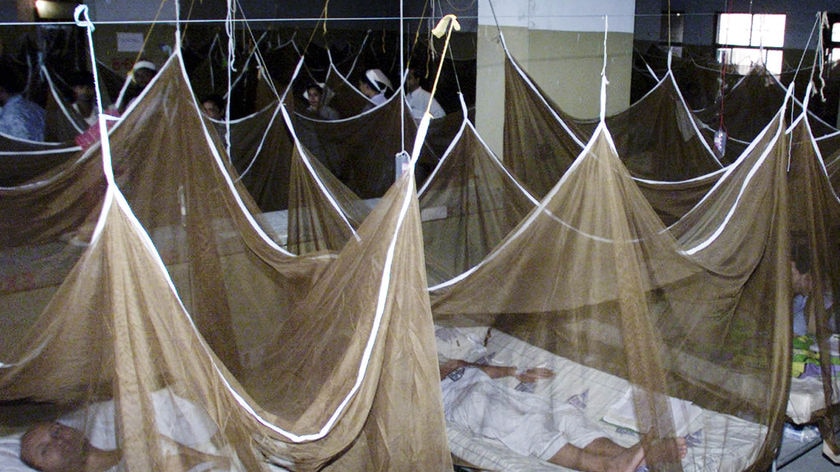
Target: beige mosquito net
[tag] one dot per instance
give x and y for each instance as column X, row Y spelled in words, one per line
column 698, row 313
column 815, row 235
column 167, row 291
column 657, row 137
column 172, row 302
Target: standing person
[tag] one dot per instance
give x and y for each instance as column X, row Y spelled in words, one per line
column 317, row 98
column 19, row 117
column 417, row 98
column 374, row 85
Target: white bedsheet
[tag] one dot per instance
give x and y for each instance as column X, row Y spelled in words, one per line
column 807, row 397
column 595, row 392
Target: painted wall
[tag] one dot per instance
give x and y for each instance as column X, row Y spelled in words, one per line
column 561, row 46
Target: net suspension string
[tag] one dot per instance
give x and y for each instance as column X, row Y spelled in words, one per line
column 82, row 18
column 553, row 112
column 444, row 27
column 402, row 76
column 604, row 81
column 148, row 34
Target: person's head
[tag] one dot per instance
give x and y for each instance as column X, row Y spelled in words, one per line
column 213, row 106
column 800, row 266
column 412, row 80
column 374, row 82
column 53, row 447
column 314, row 95
column 83, row 87
column 143, row 72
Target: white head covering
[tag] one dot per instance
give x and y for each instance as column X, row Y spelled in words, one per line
column 378, row 79
column 144, row 65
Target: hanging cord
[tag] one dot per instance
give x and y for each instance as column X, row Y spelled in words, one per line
column 323, row 19
column 359, row 54
column 808, row 43
column 604, row 80
column 257, row 52
column 83, row 20
column 230, row 17
column 821, row 54
column 445, row 26
column 416, row 40
column 402, row 77
column 130, row 77
column 498, row 27
column 187, row 23
column 669, row 34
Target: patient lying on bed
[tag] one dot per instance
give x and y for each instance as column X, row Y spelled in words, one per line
column 186, row 438
column 531, row 425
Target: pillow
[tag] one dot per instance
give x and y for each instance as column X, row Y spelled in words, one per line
column 10, row 455
column 460, row 343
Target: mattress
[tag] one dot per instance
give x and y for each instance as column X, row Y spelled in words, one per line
column 595, row 393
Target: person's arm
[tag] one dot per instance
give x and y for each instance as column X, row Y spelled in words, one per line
column 497, row 371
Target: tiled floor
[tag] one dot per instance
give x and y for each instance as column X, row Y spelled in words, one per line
column 812, row 461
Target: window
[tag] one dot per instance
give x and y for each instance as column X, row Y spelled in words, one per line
column 831, row 37
column 745, row 39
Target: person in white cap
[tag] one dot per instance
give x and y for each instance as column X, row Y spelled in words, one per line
column 375, row 85
column 141, row 74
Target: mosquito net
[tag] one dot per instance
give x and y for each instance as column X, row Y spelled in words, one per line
column 656, row 137
column 697, row 313
column 167, row 292
column 541, row 142
column 747, row 107
column 815, row 236
column 171, row 302
column 468, row 205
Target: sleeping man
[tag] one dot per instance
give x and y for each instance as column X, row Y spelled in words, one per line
column 186, row 438
column 531, row 425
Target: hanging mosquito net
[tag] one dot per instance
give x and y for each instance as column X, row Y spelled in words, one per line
column 172, row 302
column 689, row 326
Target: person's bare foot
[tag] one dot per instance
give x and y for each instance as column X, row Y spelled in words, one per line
column 627, row 461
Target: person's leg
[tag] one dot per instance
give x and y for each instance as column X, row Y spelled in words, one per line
column 604, row 455
column 593, row 460
column 605, row 447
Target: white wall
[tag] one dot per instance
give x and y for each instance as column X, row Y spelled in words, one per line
column 561, row 46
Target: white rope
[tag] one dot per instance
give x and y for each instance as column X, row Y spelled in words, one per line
column 444, row 26
column 820, row 48
column 80, row 14
column 604, row 80
column 403, row 76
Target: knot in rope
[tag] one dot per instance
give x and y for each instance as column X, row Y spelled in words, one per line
column 82, row 11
